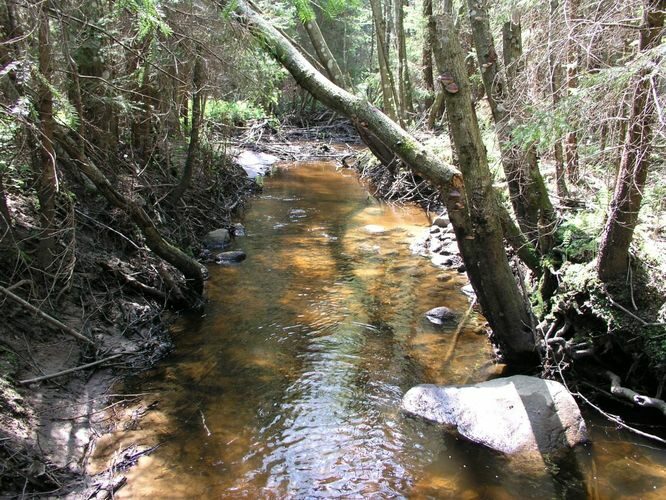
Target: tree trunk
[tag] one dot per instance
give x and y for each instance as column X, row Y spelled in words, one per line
column 193, row 271
column 571, row 138
column 618, row 232
column 324, row 54
column 386, row 76
column 483, row 246
column 48, row 177
column 556, row 91
column 197, row 112
column 527, row 189
column 404, row 82
column 426, row 55
column 476, row 223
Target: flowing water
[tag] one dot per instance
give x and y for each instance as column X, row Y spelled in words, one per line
column 290, row 384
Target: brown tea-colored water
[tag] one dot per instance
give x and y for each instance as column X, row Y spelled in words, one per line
column 290, row 384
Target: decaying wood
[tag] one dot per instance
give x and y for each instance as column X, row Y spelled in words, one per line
column 69, row 370
column 49, row 319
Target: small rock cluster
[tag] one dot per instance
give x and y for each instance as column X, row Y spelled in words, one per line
column 220, row 239
column 439, row 244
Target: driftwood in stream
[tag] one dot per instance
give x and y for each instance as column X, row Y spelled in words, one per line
column 193, row 271
column 473, row 209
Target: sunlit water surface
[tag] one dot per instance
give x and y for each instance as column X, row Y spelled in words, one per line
column 290, row 384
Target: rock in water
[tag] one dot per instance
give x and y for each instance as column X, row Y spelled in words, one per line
column 230, row 257
column 439, row 315
column 441, row 221
column 513, row 415
column 219, row 238
column 374, row 229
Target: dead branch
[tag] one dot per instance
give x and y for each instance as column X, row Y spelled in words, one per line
column 638, row 399
column 69, row 370
column 49, row 319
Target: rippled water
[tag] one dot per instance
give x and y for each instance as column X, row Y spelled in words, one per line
column 290, row 384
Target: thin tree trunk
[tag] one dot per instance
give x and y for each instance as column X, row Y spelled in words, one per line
column 324, row 54
column 48, row 177
column 571, row 138
column 527, row 189
column 473, row 211
column 556, row 93
column 404, row 82
column 426, row 56
column 386, row 76
column 618, row 232
column 197, row 112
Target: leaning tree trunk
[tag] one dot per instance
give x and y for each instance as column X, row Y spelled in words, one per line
column 473, row 211
column 527, row 189
column 324, row 53
column 618, row 232
column 491, row 274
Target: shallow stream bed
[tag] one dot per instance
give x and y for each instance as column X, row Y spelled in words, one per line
column 289, row 386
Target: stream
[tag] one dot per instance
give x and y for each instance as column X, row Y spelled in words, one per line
column 290, row 384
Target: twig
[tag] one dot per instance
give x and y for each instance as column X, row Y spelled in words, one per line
column 456, row 335
column 203, row 421
column 69, row 370
column 618, row 421
column 49, row 319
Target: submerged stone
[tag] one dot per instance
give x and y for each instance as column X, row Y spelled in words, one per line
column 512, row 415
column 219, row 238
column 374, row 229
column 230, row 257
column 439, row 315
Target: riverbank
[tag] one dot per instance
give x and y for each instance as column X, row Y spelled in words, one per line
column 118, row 295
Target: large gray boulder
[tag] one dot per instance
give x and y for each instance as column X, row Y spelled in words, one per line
column 513, row 415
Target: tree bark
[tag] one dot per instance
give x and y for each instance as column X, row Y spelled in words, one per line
column 324, row 54
column 527, row 189
column 618, row 232
column 480, row 240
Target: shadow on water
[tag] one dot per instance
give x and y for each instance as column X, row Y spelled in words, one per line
column 290, row 384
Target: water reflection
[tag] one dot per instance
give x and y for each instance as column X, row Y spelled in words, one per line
column 290, row 384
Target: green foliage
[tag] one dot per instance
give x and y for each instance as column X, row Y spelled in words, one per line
column 235, row 113
column 148, row 15
column 577, row 237
column 304, row 10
